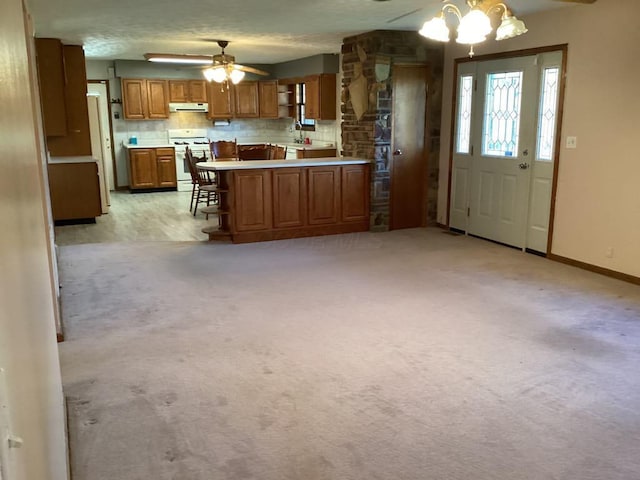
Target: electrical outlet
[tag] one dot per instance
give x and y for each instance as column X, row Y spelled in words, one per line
column 609, row 252
column 572, row 142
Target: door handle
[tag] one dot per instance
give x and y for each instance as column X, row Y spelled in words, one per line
column 523, row 166
column 397, row 152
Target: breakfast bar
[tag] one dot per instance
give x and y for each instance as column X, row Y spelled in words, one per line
column 263, row 200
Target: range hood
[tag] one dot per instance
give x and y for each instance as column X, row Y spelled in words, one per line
column 188, row 107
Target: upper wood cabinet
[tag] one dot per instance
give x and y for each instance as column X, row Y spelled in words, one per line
column 63, row 85
column 243, row 100
column 182, row 91
column 320, row 102
column 246, row 100
column 145, row 99
column 220, row 101
column 268, row 91
column 51, row 76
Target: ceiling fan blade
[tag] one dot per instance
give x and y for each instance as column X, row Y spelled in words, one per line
column 250, row 69
column 577, row 1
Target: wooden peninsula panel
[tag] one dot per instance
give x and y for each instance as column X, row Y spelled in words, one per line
column 272, row 200
column 289, row 197
column 355, row 194
column 252, row 200
column 324, row 195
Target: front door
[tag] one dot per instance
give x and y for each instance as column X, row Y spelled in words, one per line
column 503, row 150
column 409, row 159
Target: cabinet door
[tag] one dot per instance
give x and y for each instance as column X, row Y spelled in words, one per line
column 320, row 102
column 269, row 99
column 143, row 171
column 312, row 96
column 246, row 100
column 355, row 193
column 74, row 190
column 220, row 105
column 179, row 91
column 324, row 195
column 157, row 99
column 289, row 197
column 77, row 141
column 134, row 98
column 51, row 77
column 198, row 91
column 166, row 164
column 252, row 200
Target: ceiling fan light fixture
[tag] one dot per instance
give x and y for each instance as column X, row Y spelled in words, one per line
column 184, row 59
column 215, row 74
column 474, row 27
column 510, row 27
column 236, row 75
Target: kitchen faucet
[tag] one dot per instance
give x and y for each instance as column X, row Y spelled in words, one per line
column 301, row 139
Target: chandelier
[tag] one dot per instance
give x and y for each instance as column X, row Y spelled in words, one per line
column 223, row 73
column 475, row 25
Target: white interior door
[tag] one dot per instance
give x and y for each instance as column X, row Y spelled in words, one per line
column 503, row 150
column 100, row 89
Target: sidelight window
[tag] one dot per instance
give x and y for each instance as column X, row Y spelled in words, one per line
column 547, row 115
column 463, row 140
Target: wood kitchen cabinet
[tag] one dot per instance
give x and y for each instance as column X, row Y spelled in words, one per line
column 75, row 191
column 152, row 168
column 51, row 77
column 268, row 93
column 220, row 101
column 145, row 99
column 63, row 84
column 185, row 91
column 246, row 99
column 320, row 102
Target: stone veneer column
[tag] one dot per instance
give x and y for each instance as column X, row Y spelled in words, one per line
column 370, row 137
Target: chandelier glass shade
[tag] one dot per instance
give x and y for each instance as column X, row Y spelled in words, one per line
column 475, row 25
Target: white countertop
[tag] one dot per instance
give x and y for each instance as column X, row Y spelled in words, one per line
column 301, row 162
column 79, row 159
column 129, row 146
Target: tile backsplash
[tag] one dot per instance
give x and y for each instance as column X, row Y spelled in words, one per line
column 154, row 132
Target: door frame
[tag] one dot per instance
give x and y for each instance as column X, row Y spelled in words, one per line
column 558, row 140
column 114, row 168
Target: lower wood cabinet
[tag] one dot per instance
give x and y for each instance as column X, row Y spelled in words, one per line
column 75, row 191
column 152, row 168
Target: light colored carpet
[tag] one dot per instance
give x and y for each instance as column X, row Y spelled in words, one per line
column 408, row 355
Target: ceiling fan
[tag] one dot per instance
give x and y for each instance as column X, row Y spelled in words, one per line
column 229, row 61
column 219, row 68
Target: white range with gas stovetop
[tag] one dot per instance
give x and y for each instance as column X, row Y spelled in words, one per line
column 194, row 138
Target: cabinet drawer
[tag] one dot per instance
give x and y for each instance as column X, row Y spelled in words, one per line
column 164, row 152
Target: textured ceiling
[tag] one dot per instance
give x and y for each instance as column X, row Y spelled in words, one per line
column 259, row 31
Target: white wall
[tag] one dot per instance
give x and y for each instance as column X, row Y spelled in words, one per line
column 28, row 349
column 598, row 199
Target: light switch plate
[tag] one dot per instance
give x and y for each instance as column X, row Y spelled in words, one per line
column 572, row 142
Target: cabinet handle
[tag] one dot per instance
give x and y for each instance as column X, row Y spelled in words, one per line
column 397, row 152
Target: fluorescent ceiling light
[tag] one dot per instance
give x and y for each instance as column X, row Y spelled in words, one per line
column 184, row 59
